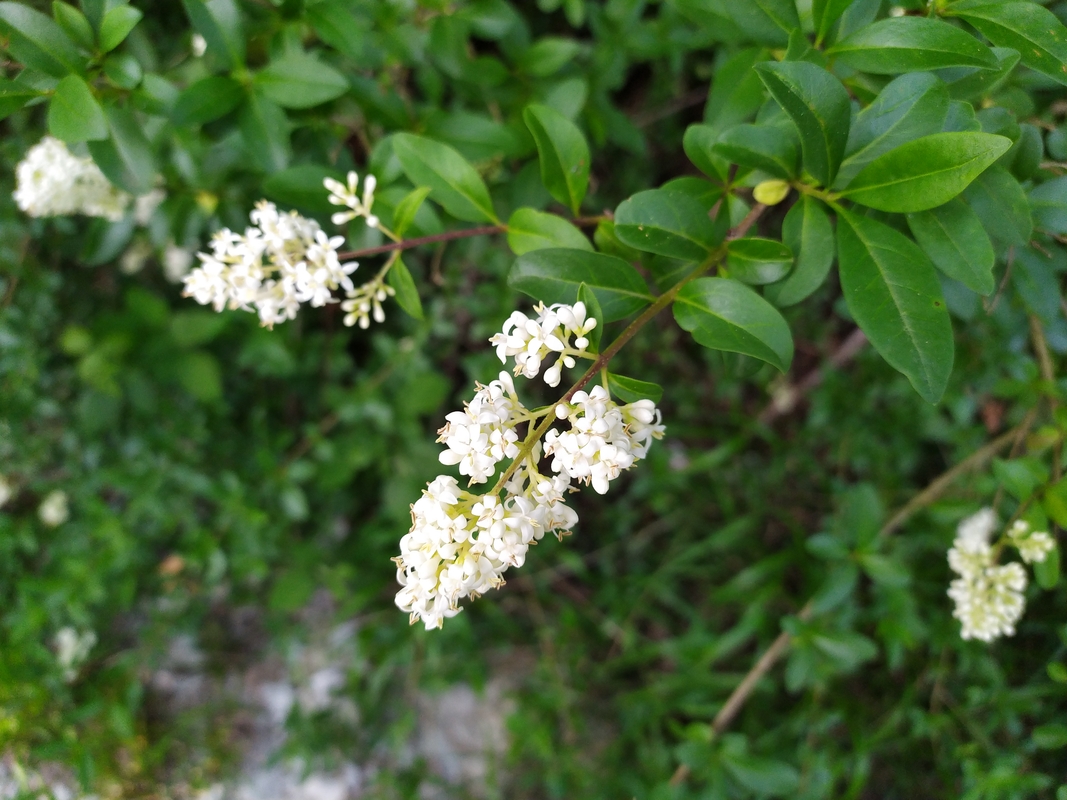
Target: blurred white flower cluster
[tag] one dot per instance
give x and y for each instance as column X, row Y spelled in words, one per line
column 72, row 648
column 461, row 543
column 285, row 259
column 51, row 181
column 989, row 596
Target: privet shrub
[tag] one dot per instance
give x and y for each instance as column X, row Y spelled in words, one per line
column 480, row 218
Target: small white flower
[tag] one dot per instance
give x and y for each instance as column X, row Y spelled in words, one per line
column 198, row 45
column 6, row 491
column 1033, row 546
column 145, row 206
column 54, row 510
column 176, row 262
column 531, row 341
column 346, row 195
column 72, row 649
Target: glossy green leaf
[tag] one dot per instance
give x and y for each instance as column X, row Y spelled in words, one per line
column 764, row 776
column 265, row 131
column 298, row 80
column 123, row 70
column 1047, row 574
column 819, row 106
column 14, row 96
column 554, row 276
column 726, row 315
column 999, row 201
column 407, row 208
column 630, row 390
column 38, row 42
column 808, row 233
column 769, row 148
column 74, row 23
column 765, row 21
column 1036, row 279
column 407, row 295
column 563, row 153
column 548, row 56
column 301, row 187
column 219, row 22
column 910, row 44
column 592, row 309
column 116, row 26
column 670, row 223
column 698, row 143
column 736, row 90
column 758, row 261
column 1034, row 31
column 206, row 100
column 893, row 294
column 337, row 25
column 953, row 237
column 1055, row 502
column 453, row 182
column 74, row 115
column 927, row 172
column 126, row 157
column 529, row 230
column 908, row 107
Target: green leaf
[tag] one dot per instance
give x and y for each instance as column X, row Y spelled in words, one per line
column 970, row 84
column 407, row 208
column 592, row 309
column 999, row 201
column 301, row 187
column 339, row 27
column 199, row 374
column 1055, row 502
column 1048, row 203
column 758, row 261
column 927, row 172
column 670, row 223
column 825, row 13
column 219, row 22
column 116, row 26
column 529, row 230
column 630, row 390
column 1050, row 737
column 1035, row 32
column 123, row 70
column 563, row 152
column 908, row 107
column 910, row 44
column 206, row 100
column 126, row 157
column 265, row 131
column 764, row 147
column 453, row 182
column 808, row 233
column 74, row 115
column 953, row 237
column 1036, row 279
column 893, row 294
column 14, row 96
column 736, row 91
column 75, row 24
column 726, row 315
column 819, row 106
column 555, row 275
column 399, row 277
column 1047, row 572
column 698, row 142
column 548, row 56
column 38, row 42
column 764, row 776
column 766, row 21
column 298, row 80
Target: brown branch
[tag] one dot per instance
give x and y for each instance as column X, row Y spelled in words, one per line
column 448, row 236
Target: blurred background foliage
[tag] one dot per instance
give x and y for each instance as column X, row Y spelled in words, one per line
column 214, row 467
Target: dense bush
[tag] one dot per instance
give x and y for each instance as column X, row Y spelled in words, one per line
column 759, row 607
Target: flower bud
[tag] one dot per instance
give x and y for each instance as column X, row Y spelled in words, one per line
column 771, row 193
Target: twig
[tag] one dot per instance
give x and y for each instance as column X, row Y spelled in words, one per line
column 448, row 236
column 747, row 222
column 780, row 645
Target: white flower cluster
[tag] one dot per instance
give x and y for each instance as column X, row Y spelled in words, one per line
column 54, row 509
column 51, row 181
column 989, row 596
column 284, row 260
column 531, row 341
column 461, row 543
column 279, row 262
column 72, row 648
